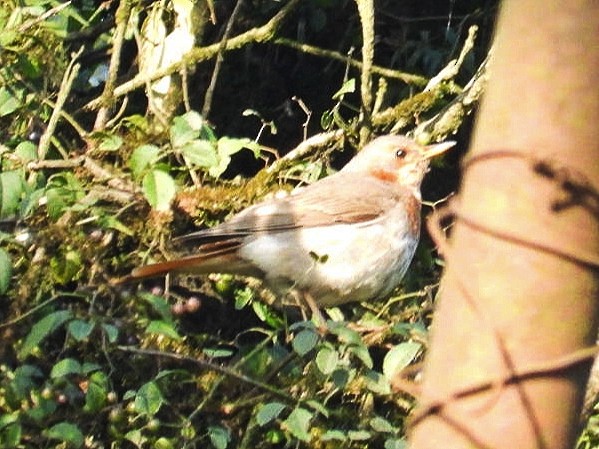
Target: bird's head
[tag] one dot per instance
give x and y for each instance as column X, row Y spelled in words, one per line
column 396, row 159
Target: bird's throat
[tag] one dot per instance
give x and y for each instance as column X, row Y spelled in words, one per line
column 384, row 175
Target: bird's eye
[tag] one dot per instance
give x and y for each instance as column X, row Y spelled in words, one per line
column 400, row 154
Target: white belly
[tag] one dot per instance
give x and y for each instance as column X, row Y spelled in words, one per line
column 338, row 263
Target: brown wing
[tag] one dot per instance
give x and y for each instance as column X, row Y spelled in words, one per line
column 340, row 198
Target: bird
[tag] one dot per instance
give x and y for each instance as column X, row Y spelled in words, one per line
column 348, row 237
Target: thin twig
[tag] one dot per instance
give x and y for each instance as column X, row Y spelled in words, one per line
column 219, row 60
column 51, row 12
column 407, row 78
column 219, row 369
column 63, row 93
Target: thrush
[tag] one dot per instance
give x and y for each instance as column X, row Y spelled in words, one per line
column 348, row 237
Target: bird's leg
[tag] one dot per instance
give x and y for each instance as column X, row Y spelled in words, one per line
column 317, row 316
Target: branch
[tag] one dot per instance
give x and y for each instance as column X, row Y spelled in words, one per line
column 407, row 78
column 107, row 98
column 262, row 34
column 366, row 11
column 448, row 120
column 64, row 91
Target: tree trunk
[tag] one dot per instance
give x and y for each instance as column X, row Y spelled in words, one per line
column 517, row 310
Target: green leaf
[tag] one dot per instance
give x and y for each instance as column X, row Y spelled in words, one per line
column 361, row 352
column 305, row 341
column 5, row 271
column 80, row 329
column 377, row 383
column 111, row 222
column 228, row 146
column 159, row 304
column 348, row 87
column 163, row 443
column 193, row 119
column 219, row 436
column 110, row 142
column 159, row 189
column 148, row 399
column 10, row 430
column 186, row 128
column 63, row 190
column 163, row 328
column 25, row 379
column 66, row 267
column 319, row 407
column 345, row 335
column 95, row 397
column 341, row 377
column 327, row 360
column 112, row 332
column 88, row 367
column 381, row 425
column 8, row 102
column 12, row 188
column 67, row 432
column 65, row 367
column 42, row 329
column 298, row 424
column 334, row 435
column 142, row 158
column 396, row 443
column 326, row 120
column 269, row 412
column 359, row 435
column 136, row 438
column 200, row 153
column 26, row 151
column 399, row 357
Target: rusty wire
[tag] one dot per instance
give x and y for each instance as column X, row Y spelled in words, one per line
column 575, row 190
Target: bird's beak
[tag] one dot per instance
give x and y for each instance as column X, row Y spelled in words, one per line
column 437, row 148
